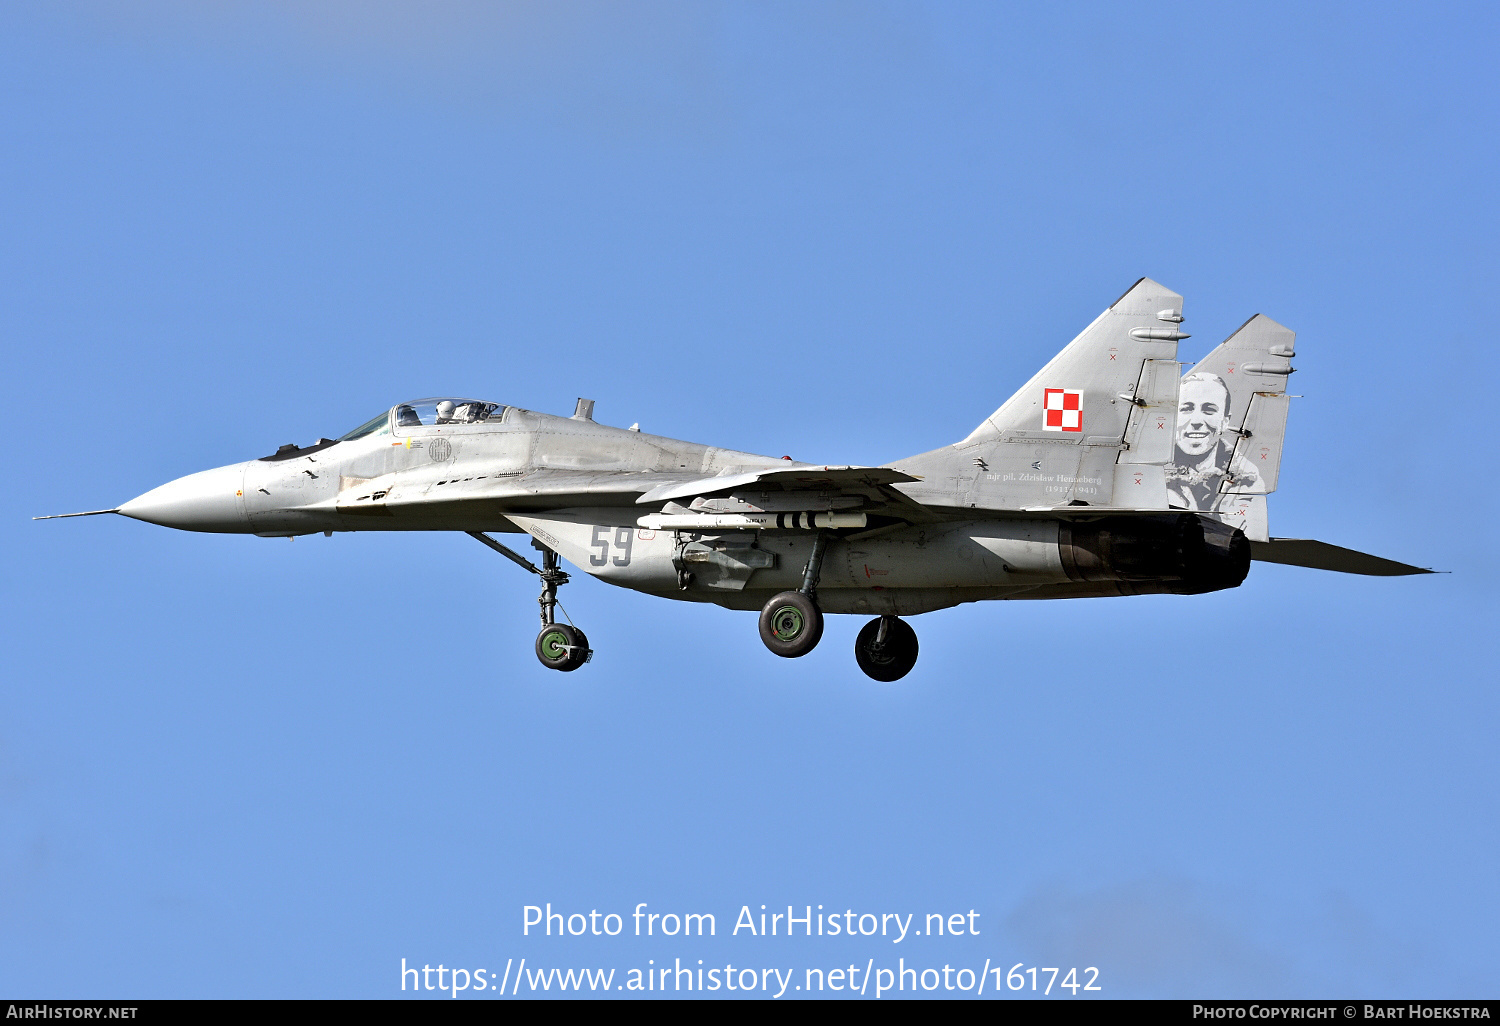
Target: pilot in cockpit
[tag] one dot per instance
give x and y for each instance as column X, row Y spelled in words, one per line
column 445, row 412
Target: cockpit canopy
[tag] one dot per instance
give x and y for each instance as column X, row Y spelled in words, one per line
column 429, row 413
column 378, row 425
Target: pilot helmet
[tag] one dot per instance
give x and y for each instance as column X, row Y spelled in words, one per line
column 445, row 410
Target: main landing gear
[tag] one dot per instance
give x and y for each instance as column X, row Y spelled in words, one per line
column 559, row 646
column 791, row 625
column 886, row 648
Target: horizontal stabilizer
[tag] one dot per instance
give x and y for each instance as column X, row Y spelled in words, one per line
column 1322, row 556
column 790, row 478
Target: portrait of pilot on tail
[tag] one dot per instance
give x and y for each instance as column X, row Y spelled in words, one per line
column 1202, row 460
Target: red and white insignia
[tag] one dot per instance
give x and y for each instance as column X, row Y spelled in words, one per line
column 1062, row 409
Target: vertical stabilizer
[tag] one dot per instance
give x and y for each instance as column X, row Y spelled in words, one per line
column 1058, row 441
column 1089, row 375
column 1231, row 421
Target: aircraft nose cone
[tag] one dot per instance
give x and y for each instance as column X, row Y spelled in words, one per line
column 207, row 501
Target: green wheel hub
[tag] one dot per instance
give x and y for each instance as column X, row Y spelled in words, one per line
column 555, row 644
column 790, row 624
column 787, row 623
column 561, row 647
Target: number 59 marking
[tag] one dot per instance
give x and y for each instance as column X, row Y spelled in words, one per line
column 624, row 538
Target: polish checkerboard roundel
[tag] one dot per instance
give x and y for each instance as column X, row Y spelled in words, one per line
column 1062, row 409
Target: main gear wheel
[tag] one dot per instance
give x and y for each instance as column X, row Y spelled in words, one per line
column 791, row 624
column 886, row 648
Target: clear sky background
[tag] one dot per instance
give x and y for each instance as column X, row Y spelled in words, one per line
column 846, row 232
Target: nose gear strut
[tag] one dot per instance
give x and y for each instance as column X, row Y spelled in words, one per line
column 559, row 646
column 552, row 579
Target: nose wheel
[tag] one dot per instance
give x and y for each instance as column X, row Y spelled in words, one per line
column 886, row 648
column 563, row 647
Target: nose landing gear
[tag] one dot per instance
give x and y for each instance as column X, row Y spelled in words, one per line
column 886, row 648
column 560, row 646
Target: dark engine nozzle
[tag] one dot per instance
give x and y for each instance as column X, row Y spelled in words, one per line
column 1186, row 554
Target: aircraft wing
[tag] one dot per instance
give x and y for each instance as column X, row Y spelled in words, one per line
column 552, row 485
column 557, row 488
column 869, row 490
column 534, row 490
column 1323, row 556
column 807, row 478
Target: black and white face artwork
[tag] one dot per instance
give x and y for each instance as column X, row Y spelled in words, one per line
column 1201, row 460
column 1203, row 404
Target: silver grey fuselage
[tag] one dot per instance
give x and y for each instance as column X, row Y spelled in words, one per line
column 573, row 484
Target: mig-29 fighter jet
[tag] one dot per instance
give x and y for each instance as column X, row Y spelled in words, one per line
column 1109, row 473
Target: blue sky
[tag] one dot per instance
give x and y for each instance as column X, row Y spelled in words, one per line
column 845, row 232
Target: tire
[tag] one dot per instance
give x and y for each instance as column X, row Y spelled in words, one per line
column 895, row 658
column 561, row 647
column 791, row 624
